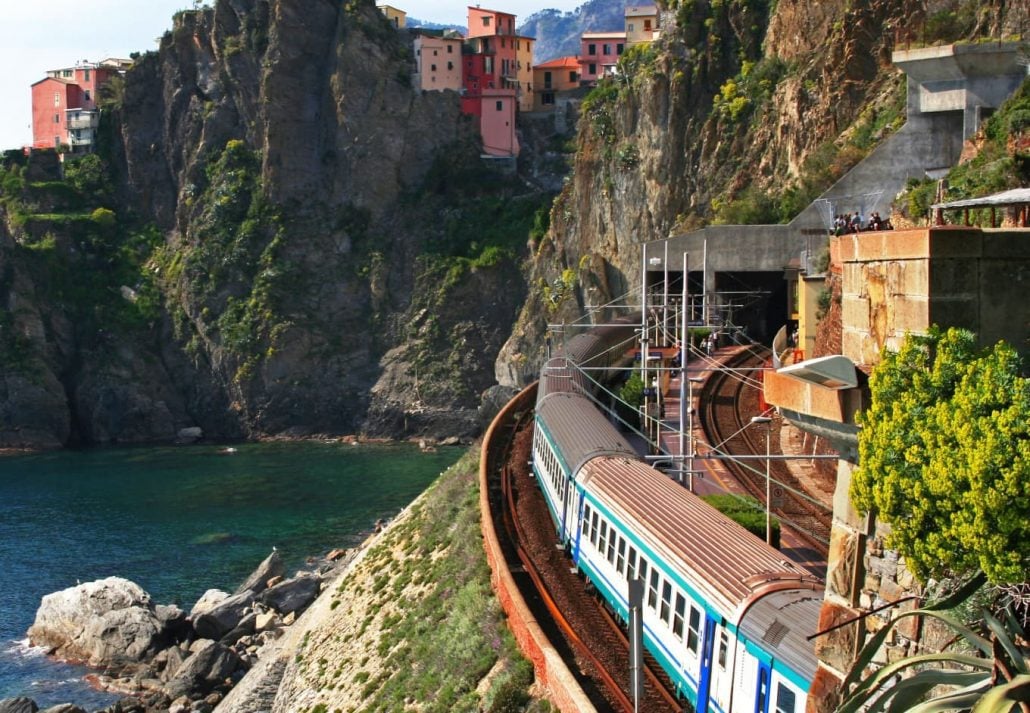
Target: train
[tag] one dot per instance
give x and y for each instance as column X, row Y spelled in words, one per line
column 724, row 614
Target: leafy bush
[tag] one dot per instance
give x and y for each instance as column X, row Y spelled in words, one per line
column 944, row 456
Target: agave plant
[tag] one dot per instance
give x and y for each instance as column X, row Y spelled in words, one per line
column 993, row 676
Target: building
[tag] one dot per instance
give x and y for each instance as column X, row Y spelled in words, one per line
column 552, row 78
column 64, row 104
column 599, row 53
column 397, row 18
column 641, row 24
column 496, row 77
column 438, row 62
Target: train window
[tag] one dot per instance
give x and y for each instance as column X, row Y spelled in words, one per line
column 620, row 564
column 603, row 537
column 593, row 528
column 694, row 629
column 677, row 616
column 642, row 570
column 666, row 602
column 785, row 699
column 724, row 643
column 631, row 563
column 612, row 536
column 652, row 591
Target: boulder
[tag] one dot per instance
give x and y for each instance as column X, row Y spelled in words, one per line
column 223, row 618
column 189, row 435
column 107, row 622
column 64, row 708
column 244, row 628
column 265, row 620
column 293, row 594
column 257, row 582
column 208, row 601
column 18, row 705
column 203, row 671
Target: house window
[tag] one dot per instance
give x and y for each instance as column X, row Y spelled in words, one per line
column 450, row 49
column 450, row 65
column 85, row 75
column 503, row 43
column 547, row 80
column 647, row 26
column 432, row 67
column 607, row 49
column 785, row 700
column 57, row 99
column 573, row 76
column 57, row 118
column 593, row 69
column 591, row 49
column 86, row 95
column 66, row 73
column 500, row 105
column 618, row 48
column 486, row 21
column 435, row 53
column 629, row 27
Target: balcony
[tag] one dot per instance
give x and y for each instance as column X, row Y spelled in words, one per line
column 78, row 119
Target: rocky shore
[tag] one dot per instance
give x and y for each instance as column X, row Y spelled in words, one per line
column 167, row 660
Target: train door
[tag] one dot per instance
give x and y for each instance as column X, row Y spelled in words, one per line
column 577, row 527
column 707, row 647
column 762, row 691
column 563, row 496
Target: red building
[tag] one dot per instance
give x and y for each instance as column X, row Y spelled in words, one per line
column 490, row 77
column 64, row 104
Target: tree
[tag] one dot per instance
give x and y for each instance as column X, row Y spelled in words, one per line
column 944, row 456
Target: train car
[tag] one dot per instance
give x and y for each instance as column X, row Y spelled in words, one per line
column 581, row 361
column 569, row 431
column 724, row 614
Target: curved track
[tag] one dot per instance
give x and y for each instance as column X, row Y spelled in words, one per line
column 578, row 626
column 728, row 401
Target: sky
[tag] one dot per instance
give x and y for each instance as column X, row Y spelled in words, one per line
column 58, row 33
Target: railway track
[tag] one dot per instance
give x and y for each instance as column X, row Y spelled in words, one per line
column 728, row 401
column 579, row 627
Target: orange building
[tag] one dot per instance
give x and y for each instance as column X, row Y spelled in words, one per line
column 551, row 78
column 64, row 104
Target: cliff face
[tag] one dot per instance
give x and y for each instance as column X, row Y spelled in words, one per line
column 736, row 105
column 282, row 153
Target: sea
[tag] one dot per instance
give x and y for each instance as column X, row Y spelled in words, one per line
column 178, row 521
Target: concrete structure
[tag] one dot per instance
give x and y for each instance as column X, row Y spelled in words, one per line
column 968, row 80
column 599, row 53
column 641, row 24
column 64, row 104
column 438, row 62
column 554, row 78
column 397, row 18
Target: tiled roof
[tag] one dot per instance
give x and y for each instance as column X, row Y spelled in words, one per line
column 559, row 63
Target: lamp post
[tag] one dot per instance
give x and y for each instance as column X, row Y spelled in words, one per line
column 691, row 380
column 768, row 494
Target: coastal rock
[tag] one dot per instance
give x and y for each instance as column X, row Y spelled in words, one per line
column 18, row 705
column 107, row 622
column 189, row 435
column 293, row 594
column 223, row 618
column 257, row 582
column 64, row 708
column 244, row 628
column 208, row 601
column 203, row 671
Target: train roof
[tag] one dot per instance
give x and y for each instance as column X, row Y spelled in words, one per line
column 730, row 567
column 579, row 430
column 781, row 621
column 558, row 375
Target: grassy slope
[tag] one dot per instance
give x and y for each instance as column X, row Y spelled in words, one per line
column 415, row 625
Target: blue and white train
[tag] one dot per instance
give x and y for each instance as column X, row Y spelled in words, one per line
column 724, row 614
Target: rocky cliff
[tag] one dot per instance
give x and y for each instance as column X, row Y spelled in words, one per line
column 312, row 209
column 743, row 112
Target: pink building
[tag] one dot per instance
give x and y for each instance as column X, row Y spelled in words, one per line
column 599, row 53
column 497, row 122
column 438, row 64
column 64, row 105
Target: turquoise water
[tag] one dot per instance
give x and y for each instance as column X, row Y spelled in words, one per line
column 178, row 521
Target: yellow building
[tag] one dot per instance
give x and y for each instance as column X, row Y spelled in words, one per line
column 641, row 24
column 397, row 18
column 552, row 78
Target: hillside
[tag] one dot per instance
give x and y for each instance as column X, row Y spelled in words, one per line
column 557, row 33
